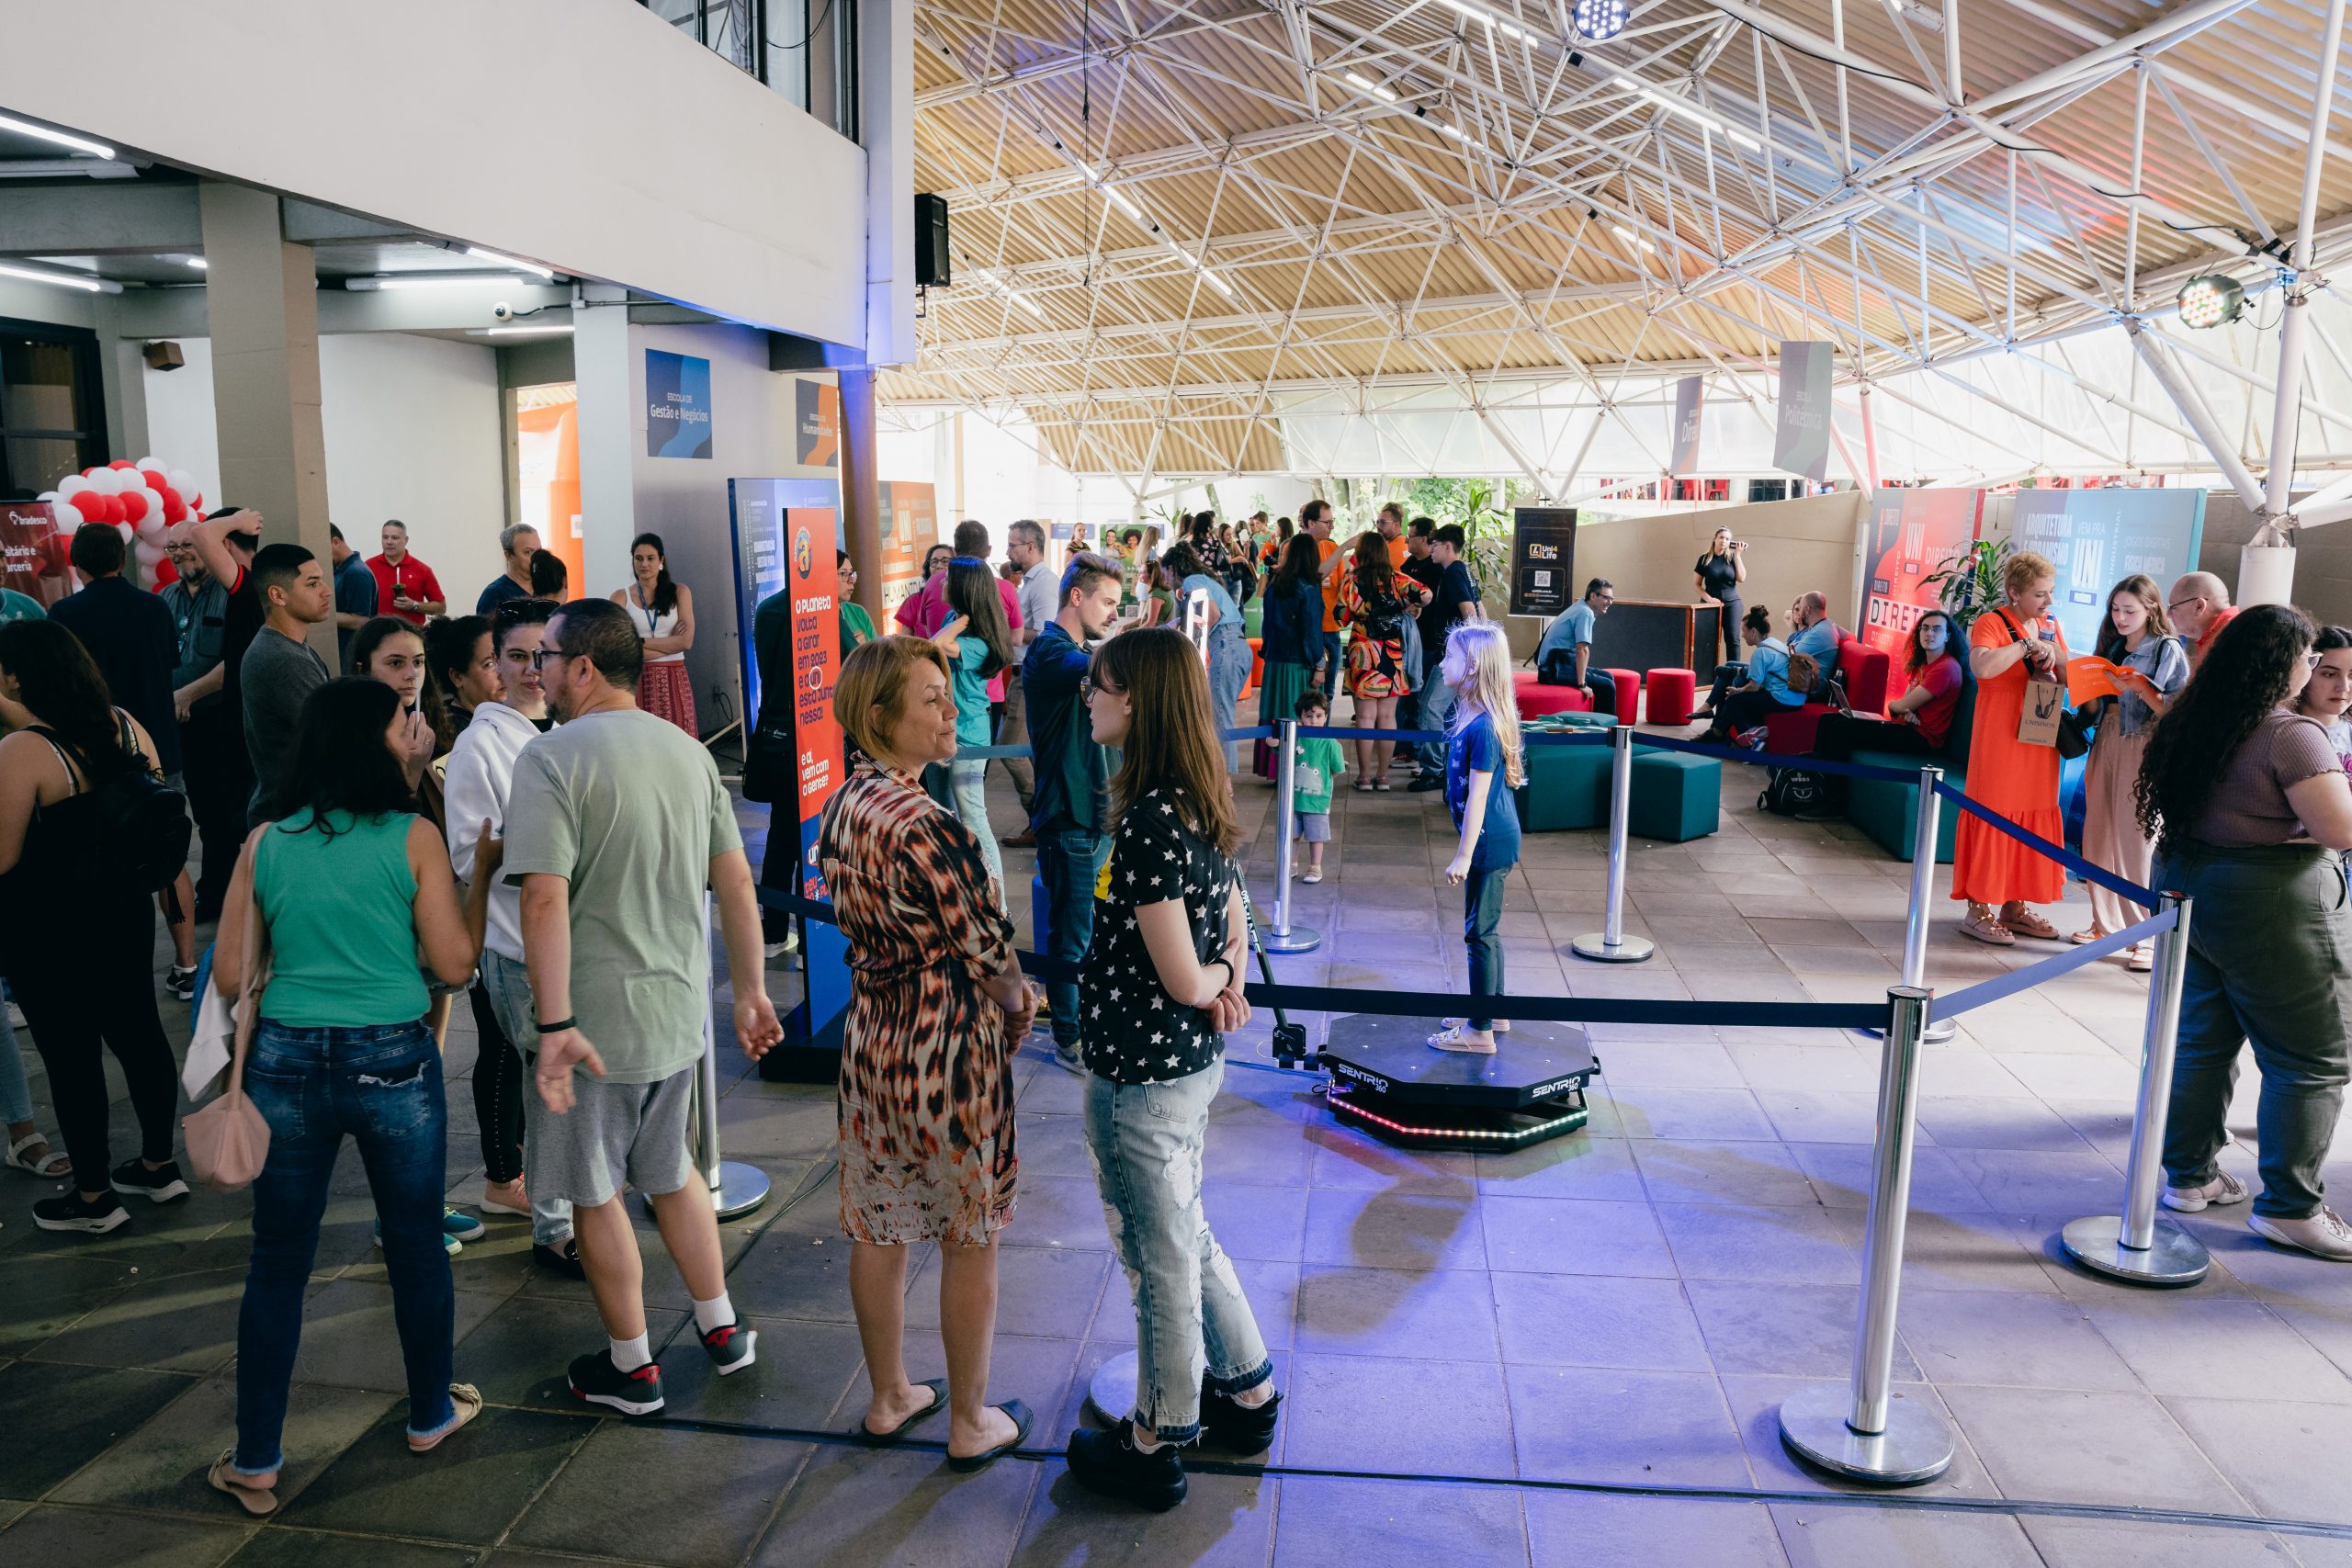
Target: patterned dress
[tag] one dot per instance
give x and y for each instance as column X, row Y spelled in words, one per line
column 926, row 1086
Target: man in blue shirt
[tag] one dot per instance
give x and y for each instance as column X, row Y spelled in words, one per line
column 1817, row 635
column 1565, row 656
column 520, row 542
column 355, row 593
column 1072, row 810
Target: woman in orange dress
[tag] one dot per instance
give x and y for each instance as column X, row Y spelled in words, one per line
column 1374, row 599
column 2008, row 646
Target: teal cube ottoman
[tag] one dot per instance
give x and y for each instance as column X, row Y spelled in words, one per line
column 1888, row 810
column 1675, row 796
column 1567, row 787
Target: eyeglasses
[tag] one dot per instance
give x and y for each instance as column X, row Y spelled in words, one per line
column 539, row 656
column 2310, row 660
column 2192, row 599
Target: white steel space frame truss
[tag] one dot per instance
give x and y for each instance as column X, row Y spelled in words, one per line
column 1808, row 189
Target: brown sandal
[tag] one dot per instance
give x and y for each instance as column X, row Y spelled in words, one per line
column 2025, row 922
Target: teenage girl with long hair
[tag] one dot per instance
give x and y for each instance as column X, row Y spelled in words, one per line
column 2247, row 800
column 1161, row 985
column 978, row 641
column 2152, row 665
column 2329, row 691
column 1484, row 763
column 663, row 610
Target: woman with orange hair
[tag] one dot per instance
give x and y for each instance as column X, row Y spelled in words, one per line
column 2012, row 646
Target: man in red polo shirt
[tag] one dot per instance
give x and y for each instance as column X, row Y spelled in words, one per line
column 405, row 586
column 2199, row 606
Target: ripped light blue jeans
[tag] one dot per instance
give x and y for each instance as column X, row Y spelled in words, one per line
column 379, row 1085
column 1147, row 1142
column 967, row 784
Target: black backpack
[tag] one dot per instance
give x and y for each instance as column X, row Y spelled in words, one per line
column 1793, row 792
column 142, row 830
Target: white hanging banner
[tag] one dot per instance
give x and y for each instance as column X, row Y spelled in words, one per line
column 1689, row 400
column 1800, row 441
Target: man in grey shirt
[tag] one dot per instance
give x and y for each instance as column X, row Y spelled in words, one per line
column 280, row 669
column 1040, row 585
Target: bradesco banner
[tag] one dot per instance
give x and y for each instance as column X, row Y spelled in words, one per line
column 32, row 556
column 2098, row 538
column 1914, row 534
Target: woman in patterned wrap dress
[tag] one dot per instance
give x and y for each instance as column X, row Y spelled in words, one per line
column 937, row 1007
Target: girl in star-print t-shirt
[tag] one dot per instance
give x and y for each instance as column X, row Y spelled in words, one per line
column 1132, row 1031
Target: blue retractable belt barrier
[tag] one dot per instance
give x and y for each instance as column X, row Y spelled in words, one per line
column 2032, row 975
column 1418, row 1004
column 2145, row 896
column 990, row 753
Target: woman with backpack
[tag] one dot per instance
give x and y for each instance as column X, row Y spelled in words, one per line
column 1375, row 599
column 2151, row 665
column 77, row 915
column 1769, row 686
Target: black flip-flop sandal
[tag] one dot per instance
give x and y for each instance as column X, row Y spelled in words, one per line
column 1021, row 1418
column 938, row 1387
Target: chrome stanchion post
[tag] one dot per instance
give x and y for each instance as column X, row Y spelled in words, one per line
column 736, row 1186
column 1860, row 1428
column 2137, row 1246
column 1924, row 826
column 1610, row 944
column 1285, row 937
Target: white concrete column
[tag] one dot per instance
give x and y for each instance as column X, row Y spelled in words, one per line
column 612, row 424
column 262, row 311
column 123, row 372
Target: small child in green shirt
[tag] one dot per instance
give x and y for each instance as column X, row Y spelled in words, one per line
column 1314, row 775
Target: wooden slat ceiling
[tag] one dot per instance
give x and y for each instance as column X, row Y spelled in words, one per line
column 1164, row 214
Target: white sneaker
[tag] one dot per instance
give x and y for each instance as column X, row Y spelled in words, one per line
column 2224, row 1189
column 2323, row 1235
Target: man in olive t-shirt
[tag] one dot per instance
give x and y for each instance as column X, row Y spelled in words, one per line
column 616, row 825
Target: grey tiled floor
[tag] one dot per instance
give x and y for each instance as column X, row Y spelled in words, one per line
column 1626, row 1305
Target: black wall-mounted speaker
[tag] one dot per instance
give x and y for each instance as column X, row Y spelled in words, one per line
column 930, row 240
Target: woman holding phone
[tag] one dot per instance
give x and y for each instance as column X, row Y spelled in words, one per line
column 1719, row 574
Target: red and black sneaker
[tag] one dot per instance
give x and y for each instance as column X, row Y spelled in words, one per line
column 597, row 1381
column 732, row 1346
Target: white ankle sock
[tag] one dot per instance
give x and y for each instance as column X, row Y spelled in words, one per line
column 716, row 1313
column 1255, row 1398
column 630, row 1354
column 1144, row 1443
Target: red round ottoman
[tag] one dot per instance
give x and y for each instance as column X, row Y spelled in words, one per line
column 1536, row 699
column 1629, row 695
column 1672, row 694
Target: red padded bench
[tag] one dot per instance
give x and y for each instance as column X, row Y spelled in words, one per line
column 1864, row 670
column 1536, row 699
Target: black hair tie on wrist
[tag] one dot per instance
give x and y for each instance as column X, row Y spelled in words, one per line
column 559, row 1025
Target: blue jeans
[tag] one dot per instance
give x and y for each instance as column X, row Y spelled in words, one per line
column 16, row 1096
column 1482, row 918
column 1069, row 860
column 968, row 782
column 1147, row 1141
column 1327, row 650
column 1229, row 659
column 381, row 1086
column 1437, row 711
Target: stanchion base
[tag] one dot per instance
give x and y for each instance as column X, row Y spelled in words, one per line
column 1111, row 1391
column 740, row 1190
column 2174, row 1256
column 1595, row 947
column 1298, row 939
column 1917, row 1445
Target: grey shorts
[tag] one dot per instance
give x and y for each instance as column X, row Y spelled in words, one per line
column 614, row 1134
column 1315, row 827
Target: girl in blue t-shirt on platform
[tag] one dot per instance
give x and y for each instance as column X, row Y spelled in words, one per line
column 1484, row 763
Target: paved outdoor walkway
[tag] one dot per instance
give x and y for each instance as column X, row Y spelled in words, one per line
column 1625, row 1306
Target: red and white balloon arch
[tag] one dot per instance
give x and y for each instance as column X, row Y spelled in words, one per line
column 141, row 498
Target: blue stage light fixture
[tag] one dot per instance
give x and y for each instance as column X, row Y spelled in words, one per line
column 1600, row 20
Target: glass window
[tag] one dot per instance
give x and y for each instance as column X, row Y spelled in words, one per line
column 804, row 50
column 51, row 411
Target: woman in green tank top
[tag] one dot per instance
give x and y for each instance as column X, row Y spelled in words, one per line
column 349, row 888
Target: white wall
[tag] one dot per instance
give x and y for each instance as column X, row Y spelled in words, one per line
column 412, row 432
column 592, row 137
column 752, row 411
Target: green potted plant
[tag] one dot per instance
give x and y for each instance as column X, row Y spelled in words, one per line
column 1968, row 582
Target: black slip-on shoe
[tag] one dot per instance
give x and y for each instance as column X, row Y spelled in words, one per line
column 71, row 1213
column 1239, row 1427
column 132, row 1178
